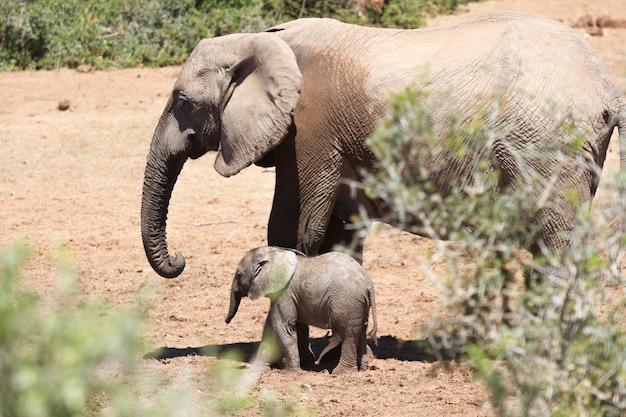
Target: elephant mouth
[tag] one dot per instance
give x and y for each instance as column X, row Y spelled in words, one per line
column 200, row 145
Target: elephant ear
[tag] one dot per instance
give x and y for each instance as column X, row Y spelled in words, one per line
column 259, row 111
column 272, row 273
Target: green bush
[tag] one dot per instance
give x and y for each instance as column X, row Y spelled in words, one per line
column 50, row 34
column 530, row 328
column 52, row 364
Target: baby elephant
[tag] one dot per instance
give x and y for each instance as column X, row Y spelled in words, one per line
column 330, row 291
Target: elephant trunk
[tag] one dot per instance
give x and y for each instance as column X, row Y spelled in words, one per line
column 159, row 179
column 235, row 300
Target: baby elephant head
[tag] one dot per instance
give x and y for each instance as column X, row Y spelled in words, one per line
column 263, row 271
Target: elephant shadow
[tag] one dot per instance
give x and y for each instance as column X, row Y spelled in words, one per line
column 388, row 347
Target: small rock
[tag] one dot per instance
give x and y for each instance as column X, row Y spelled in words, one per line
column 84, row 68
column 64, row 105
column 595, row 31
column 584, row 21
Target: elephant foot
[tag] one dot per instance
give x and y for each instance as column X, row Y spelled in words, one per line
column 294, row 371
column 364, row 365
column 343, row 369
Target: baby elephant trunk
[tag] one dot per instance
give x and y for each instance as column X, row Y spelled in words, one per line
column 235, row 300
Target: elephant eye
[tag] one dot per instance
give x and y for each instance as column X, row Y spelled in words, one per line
column 184, row 105
column 184, row 101
column 258, row 268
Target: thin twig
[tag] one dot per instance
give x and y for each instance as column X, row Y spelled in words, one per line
column 214, row 223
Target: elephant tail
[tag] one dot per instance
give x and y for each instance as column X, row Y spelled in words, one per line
column 372, row 300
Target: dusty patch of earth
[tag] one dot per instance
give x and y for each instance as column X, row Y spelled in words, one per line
column 74, row 178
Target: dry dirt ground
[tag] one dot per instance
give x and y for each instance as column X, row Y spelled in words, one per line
column 74, row 178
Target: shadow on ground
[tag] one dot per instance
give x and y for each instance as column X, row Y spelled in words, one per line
column 389, row 347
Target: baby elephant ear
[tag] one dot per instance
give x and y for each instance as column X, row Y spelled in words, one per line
column 272, row 273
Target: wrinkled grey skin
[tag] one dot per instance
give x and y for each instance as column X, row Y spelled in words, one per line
column 330, row 291
column 304, row 96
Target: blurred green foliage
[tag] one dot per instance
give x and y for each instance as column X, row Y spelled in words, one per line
column 46, row 34
column 53, row 363
column 74, row 355
column 545, row 335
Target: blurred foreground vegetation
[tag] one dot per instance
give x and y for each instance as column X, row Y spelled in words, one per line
column 546, row 334
column 75, row 355
column 48, row 34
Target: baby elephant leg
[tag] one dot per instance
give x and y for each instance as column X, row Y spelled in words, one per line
column 286, row 335
column 353, row 350
column 335, row 341
column 307, row 357
column 292, row 356
column 364, row 352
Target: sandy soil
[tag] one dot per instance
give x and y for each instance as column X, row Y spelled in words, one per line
column 74, row 178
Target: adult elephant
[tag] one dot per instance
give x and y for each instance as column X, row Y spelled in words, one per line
column 304, row 96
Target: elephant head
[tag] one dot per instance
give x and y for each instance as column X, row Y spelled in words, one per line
column 263, row 271
column 234, row 95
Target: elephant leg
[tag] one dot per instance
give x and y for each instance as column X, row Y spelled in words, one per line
column 318, row 192
column 292, row 356
column 557, row 228
column 363, row 352
column 312, row 227
column 335, row 341
column 307, row 358
column 269, row 352
column 282, row 226
column 350, row 204
column 285, row 334
column 282, row 229
column 350, row 348
column 342, row 234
